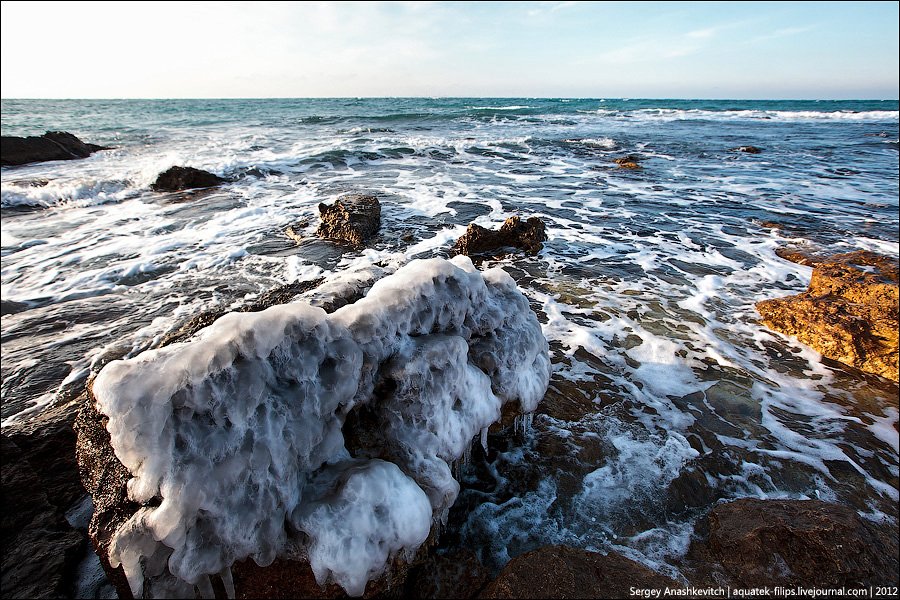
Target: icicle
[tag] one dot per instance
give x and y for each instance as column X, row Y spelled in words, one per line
column 228, row 582
column 205, row 588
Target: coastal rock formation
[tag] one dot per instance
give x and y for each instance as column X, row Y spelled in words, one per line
column 177, row 178
column 564, row 572
column 747, row 149
column 40, row 549
column 758, row 543
column 849, row 313
column 628, row 162
column 514, row 233
column 392, row 390
column 53, row 145
column 353, row 218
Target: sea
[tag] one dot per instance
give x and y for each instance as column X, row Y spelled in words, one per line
column 668, row 394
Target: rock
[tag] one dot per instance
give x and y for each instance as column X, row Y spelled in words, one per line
column 40, row 549
column 295, row 231
column 849, row 313
column 747, row 149
column 628, row 162
column 757, row 543
column 354, row 218
column 184, row 178
column 529, row 236
column 457, row 575
column 53, row 145
column 800, row 257
column 563, row 572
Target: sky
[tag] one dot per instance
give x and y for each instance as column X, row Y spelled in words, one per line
column 751, row 50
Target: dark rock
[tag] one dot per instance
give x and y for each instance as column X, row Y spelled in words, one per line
column 185, row 178
column 529, row 236
column 9, row 307
column 53, row 145
column 457, row 575
column 747, row 149
column 40, row 549
column 758, row 543
column 354, row 218
column 563, row 572
column 849, row 313
column 295, row 231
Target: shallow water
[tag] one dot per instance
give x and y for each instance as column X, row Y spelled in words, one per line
column 668, row 393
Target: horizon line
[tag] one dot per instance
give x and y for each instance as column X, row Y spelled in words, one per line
column 423, row 97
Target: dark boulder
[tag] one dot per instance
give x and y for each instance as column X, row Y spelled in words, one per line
column 53, row 145
column 849, row 313
column 185, row 178
column 529, row 236
column 563, row 572
column 747, row 149
column 629, row 161
column 41, row 550
column 755, row 543
column 353, row 218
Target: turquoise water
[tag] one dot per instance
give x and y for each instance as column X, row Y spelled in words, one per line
column 668, row 395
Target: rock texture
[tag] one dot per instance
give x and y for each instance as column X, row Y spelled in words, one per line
column 758, row 543
column 849, row 313
column 628, row 162
column 185, row 178
column 40, row 549
column 53, row 145
column 529, row 236
column 353, row 218
column 563, row 572
column 747, row 149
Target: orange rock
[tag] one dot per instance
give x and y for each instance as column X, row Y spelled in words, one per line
column 849, row 313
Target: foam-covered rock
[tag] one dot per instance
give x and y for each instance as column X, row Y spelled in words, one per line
column 235, row 440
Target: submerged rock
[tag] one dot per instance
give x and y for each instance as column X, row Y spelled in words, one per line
column 353, row 218
column 564, row 572
column 278, row 434
column 849, row 313
column 529, row 236
column 756, row 543
column 747, row 149
column 53, row 145
column 177, row 178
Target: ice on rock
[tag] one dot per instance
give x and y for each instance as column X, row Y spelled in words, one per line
column 235, row 439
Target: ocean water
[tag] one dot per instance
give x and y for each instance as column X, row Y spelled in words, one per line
column 668, row 394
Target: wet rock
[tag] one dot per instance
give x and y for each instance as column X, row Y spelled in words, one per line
column 9, row 307
column 40, row 549
column 628, row 162
column 456, row 575
column 747, row 149
column 757, row 543
column 514, row 233
column 563, row 572
column 184, row 178
column 798, row 256
column 295, row 231
column 353, row 218
column 849, row 313
column 53, row 145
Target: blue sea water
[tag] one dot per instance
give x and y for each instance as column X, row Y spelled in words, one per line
column 668, row 394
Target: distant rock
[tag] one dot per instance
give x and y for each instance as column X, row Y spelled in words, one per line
column 353, row 218
column 755, row 543
column 53, row 145
column 628, row 162
column 747, row 149
column 564, row 572
column 185, row 178
column 529, row 236
column 849, row 313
